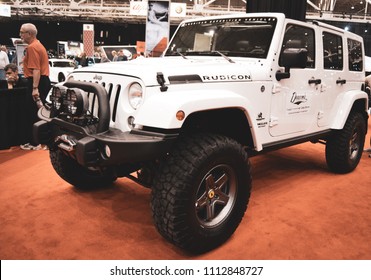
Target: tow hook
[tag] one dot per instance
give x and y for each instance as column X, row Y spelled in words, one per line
column 66, row 143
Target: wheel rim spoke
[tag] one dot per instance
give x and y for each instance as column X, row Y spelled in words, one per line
column 221, row 181
column 210, row 183
column 221, row 197
column 215, row 196
column 202, row 201
column 353, row 147
column 210, row 211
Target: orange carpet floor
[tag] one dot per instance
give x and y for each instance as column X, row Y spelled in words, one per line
column 298, row 210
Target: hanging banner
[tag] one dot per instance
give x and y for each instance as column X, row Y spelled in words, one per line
column 61, row 50
column 178, row 10
column 5, row 10
column 88, row 39
column 138, row 8
column 157, row 27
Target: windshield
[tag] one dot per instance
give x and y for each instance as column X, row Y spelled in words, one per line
column 63, row 64
column 245, row 37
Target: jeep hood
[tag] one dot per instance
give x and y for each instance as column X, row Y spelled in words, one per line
column 177, row 70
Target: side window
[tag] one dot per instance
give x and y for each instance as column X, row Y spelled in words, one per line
column 332, row 51
column 300, row 37
column 355, row 55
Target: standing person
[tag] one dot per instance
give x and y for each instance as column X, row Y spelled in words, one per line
column 36, row 71
column 83, row 60
column 122, row 56
column 368, row 81
column 114, row 55
column 104, row 58
column 4, row 60
column 368, row 91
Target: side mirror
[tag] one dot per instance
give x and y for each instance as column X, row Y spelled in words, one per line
column 292, row 58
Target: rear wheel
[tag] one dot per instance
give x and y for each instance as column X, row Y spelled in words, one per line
column 344, row 148
column 201, row 192
column 77, row 175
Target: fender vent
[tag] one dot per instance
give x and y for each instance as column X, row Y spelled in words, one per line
column 185, row 79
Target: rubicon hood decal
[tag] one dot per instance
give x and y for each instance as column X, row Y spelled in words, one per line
column 226, row 78
column 185, row 79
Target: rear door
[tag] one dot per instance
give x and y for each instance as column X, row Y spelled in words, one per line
column 343, row 69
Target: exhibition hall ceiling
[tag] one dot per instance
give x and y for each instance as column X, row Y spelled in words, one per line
column 119, row 10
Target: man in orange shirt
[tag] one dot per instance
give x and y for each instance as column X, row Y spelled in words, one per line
column 36, row 71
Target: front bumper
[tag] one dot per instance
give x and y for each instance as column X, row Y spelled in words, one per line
column 92, row 149
column 98, row 144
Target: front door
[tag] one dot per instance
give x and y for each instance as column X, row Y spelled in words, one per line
column 295, row 100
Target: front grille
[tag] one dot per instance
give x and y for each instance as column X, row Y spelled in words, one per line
column 113, row 92
column 116, row 86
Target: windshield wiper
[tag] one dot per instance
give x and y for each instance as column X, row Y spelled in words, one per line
column 181, row 55
column 205, row 52
column 224, row 56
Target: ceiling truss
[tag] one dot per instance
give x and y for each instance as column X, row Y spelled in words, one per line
column 105, row 10
column 119, row 11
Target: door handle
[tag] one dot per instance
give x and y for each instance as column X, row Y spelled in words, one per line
column 341, row 81
column 315, row 81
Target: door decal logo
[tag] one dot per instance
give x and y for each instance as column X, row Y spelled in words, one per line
column 298, row 103
column 298, row 98
column 260, row 120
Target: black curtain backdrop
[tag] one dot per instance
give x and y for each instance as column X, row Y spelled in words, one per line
column 295, row 9
column 15, row 117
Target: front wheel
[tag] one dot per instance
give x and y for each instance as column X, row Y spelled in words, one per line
column 80, row 176
column 201, row 192
column 146, row 174
column 344, row 148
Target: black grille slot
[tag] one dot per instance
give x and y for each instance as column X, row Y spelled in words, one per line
column 117, row 96
column 110, row 87
column 93, row 104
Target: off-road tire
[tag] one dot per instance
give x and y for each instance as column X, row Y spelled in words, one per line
column 147, row 173
column 201, row 192
column 77, row 175
column 344, row 148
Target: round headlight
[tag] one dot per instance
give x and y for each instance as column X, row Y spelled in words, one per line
column 76, row 102
column 135, row 95
column 56, row 97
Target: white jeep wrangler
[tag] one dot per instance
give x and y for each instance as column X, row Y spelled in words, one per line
column 185, row 124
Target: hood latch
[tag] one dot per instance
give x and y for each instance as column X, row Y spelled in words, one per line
column 161, row 81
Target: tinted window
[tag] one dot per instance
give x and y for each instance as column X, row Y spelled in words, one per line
column 63, row 64
column 332, row 51
column 355, row 55
column 300, row 37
